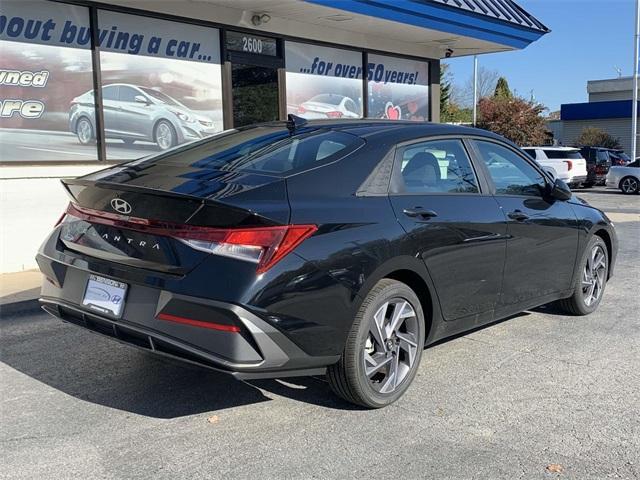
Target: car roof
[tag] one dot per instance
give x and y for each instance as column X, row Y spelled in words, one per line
column 397, row 130
column 560, row 149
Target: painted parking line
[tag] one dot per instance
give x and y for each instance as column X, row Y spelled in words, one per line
column 60, row 151
column 623, row 217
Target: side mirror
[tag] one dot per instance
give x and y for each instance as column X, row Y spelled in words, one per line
column 560, row 190
column 141, row 99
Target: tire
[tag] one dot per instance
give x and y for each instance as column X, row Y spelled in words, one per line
column 629, row 185
column 399, row 352
column 591, row 272
column 84, row 131
column 164, row 135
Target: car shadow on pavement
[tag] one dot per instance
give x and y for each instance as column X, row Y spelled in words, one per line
column 101, row 371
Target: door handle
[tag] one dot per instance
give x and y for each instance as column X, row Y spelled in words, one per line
column 518, row 215
column 419, row 212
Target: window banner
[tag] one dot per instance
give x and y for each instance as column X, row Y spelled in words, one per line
column 45, row 63
column 45, row 23
column 323, row 82
column 398, row 88
column 151, row 37
column 161, row 84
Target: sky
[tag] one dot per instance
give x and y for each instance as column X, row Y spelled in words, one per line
column 588, row 40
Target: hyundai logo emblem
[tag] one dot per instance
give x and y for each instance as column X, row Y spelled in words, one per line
column 121, row 206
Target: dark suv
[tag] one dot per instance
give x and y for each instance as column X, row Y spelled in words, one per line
column 598, row 164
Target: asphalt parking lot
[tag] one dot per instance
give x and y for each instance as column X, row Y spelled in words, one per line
column 540, row 395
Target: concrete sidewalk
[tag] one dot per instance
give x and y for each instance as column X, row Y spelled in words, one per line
column 19, row 292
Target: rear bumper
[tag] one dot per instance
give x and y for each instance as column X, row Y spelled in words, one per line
column 577, row 179
column 257, row 350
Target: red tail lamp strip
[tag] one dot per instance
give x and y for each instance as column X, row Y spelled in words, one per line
column 276, row 242
column 198, row 323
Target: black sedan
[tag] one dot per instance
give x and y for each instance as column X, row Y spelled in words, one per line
column 327, row 247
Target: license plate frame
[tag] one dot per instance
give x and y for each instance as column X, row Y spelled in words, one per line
column 105, row 295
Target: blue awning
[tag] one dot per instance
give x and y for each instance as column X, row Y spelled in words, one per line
column 499, row 21
column 597, row 110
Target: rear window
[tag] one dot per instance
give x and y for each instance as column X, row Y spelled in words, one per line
column 563, row 154
column 266, row 149
column 531, row 152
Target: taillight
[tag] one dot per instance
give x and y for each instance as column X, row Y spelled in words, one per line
column 569, row 164
column 301, row 109
column 64, row 214
column 264, row 246
column 335, row 114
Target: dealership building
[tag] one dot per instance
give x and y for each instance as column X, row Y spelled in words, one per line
column 84, row 85
column 610, row 108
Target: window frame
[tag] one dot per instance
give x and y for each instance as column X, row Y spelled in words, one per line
column 396, row 184
column 477, row 157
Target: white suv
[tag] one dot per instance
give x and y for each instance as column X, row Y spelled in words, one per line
column 567, row 162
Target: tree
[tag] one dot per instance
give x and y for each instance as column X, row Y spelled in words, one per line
column 514, row 118
column 596, row 137
column 445, row 92
column 487, row 80
column 502, row 89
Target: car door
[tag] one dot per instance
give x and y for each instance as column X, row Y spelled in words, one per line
column 134, row 116
column 110, row 109
column 543, row 231
column 457, row 230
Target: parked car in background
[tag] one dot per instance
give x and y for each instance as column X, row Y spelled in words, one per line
column 133, row 113
column 329, row 105
column 323, row 247
column 619, row 158
column 567, row 162
column 626, row 178
column 598, row 164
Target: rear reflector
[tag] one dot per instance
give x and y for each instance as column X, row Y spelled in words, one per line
column 198, row 323
column 262, row 245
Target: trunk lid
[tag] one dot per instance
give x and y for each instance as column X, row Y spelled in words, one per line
column 166, row 194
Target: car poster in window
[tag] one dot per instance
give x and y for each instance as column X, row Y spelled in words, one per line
column 323, row 82
column 161, row 84
column 45, row 63
column 398, row 88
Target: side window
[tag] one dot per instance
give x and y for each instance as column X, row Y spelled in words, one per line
column 128, row 94
column 110, row 93
column 438, row 166
column 511, row 174
column 530, row 151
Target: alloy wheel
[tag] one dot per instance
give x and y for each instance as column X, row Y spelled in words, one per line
column 164, row 136
column 629, row 185
column 390, row 349
column 84, row 131
column 593, row 275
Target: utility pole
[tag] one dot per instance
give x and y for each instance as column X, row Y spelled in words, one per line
column 634, row 110
column 475, row 88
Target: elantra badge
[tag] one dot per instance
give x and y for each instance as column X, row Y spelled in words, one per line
column 121, row 206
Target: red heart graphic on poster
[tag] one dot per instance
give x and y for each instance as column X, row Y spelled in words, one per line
column 392, row 113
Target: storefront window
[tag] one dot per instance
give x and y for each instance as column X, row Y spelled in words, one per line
column 161, row 83
column 45, row 68
column 323, row 82
column 398, row 88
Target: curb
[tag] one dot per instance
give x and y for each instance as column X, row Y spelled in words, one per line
column 17, row 309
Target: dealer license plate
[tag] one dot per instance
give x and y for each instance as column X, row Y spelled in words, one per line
column 105, row 295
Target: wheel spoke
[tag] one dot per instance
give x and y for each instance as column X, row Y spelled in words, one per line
column 400, row 312
column 373, row 363
column 377, row 326
column 408, row 344
column 392, row 377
